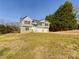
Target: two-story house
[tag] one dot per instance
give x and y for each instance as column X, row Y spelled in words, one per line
column 29, row 25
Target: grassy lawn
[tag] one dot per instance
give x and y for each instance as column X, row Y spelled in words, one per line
column 39, row 46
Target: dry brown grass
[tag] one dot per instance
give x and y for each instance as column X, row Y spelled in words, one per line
column 56, row 45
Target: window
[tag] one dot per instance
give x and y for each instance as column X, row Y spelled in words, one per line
column 40, row 23
column 46, row 24
column 27, row 28
column 26, row 22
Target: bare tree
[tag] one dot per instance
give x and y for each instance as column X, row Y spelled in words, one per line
column 77, row 11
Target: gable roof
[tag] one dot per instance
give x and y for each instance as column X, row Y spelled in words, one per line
column 33, row 20
column 22, row 18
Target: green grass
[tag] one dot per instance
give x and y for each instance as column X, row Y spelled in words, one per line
column 39, row 46
column 3, row 50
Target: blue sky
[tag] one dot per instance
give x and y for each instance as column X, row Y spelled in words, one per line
column 12, row 10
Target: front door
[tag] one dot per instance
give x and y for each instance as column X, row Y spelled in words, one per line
column 27, row 28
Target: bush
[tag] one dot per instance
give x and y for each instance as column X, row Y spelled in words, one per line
column 78, row 26
column 8, row 29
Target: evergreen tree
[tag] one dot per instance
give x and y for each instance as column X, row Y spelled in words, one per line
column 63, row 19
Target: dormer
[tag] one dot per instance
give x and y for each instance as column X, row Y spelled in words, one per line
column 44, row 23
column 26, row 21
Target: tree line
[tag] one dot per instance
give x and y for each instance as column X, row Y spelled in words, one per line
column 4, row 29
column 63, row 19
